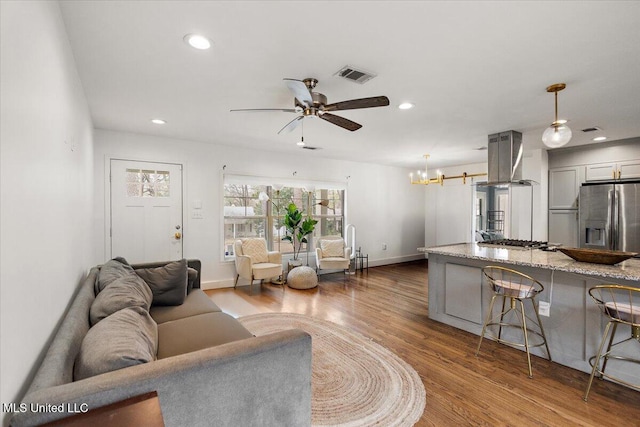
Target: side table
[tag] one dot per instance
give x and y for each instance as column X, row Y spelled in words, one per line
column 361, row 259
column 143, row 410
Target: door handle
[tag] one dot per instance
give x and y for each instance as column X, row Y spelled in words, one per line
column 178, row 235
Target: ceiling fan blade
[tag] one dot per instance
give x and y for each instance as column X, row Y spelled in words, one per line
column 291, row 125
column 253, row 110
column 341, row 121
column 352, row 104
column 300, row 91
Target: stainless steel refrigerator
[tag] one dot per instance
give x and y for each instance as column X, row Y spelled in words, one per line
column 609, row 216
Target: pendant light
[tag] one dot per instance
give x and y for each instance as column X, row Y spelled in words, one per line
column 558, row 134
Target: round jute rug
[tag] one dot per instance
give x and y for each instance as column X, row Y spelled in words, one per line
column 354, row 381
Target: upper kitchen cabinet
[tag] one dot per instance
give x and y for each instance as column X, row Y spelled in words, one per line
column 629, row 169
column 564, row 187
column 613, row 170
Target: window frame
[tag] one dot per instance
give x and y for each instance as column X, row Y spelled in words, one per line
column 275, row 207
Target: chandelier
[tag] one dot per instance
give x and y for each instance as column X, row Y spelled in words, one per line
column 423, row 176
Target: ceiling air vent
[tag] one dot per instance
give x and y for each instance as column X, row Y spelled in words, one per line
column 359, row 76
column 308, row 147
column 591, row 129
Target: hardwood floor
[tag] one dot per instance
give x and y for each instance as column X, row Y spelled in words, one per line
column 389, row 304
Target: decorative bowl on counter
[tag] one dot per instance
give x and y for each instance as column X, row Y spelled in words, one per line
column 597, row 256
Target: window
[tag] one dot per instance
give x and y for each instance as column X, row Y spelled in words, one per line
column 254, row 210
column 147, row 183
column 245, row 215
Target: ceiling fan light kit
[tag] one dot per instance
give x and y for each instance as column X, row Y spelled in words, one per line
column 310, row 104
column 558, row 134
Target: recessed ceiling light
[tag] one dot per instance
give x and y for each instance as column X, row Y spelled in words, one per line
column 599, row 138
column 405, row 106
column 158, row 121
column 197, row 41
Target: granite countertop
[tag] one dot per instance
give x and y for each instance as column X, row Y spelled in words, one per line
column 626, row 270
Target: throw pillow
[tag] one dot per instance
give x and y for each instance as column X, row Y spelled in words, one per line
column 127, row 291
column 192, row 275
column 110, row 271
column 168, row 283
column 126, row 338
column 256, row 249
column 332, row 248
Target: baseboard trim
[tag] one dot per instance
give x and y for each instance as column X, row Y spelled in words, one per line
column 217, row 284
column 228, row 283
column 395, row 260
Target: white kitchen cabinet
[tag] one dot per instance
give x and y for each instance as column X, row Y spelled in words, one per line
column 613, row 170
column 563, row 227
column 564, row 187
column 601, row 171
column 629, row 169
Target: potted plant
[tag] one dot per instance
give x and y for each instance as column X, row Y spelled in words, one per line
column 297, row 228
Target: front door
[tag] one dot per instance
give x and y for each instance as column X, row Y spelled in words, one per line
column 146, row 211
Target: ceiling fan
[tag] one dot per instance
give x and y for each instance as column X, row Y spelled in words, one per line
column 314, row 104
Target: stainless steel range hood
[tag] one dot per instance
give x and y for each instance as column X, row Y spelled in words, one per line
column 505, row 158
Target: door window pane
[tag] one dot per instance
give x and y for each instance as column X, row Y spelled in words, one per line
column 147, row 183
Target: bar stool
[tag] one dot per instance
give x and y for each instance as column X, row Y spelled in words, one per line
column 621, row 304
column 514, row 287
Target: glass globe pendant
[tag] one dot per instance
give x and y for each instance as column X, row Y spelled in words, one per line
column 558, row 134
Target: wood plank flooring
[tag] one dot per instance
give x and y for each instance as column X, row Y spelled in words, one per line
column 389, row 304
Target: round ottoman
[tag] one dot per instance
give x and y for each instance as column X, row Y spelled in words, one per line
column 302, row 278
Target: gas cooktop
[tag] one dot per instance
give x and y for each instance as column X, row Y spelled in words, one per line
column 515, row 243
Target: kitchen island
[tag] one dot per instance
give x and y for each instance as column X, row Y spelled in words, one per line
column 459, row 297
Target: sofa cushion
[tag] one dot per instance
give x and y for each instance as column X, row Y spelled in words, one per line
column 196, row 302
column 197, row 333
column 110, row 271
column 168, row 283
column 126, row 291
column 126, row 338
column 332, row 248
column 256, row 249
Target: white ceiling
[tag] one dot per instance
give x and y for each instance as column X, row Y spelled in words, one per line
column 471, row 69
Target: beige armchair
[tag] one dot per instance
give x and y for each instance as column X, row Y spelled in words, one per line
column 254, row 262
column 332, row 254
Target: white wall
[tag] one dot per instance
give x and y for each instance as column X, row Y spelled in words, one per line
column 47, row 186
column 381, row 203
column 449, row 208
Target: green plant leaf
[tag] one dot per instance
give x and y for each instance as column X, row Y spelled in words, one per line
column 296, row 228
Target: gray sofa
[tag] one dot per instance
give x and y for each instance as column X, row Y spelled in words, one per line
column 208, row 371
